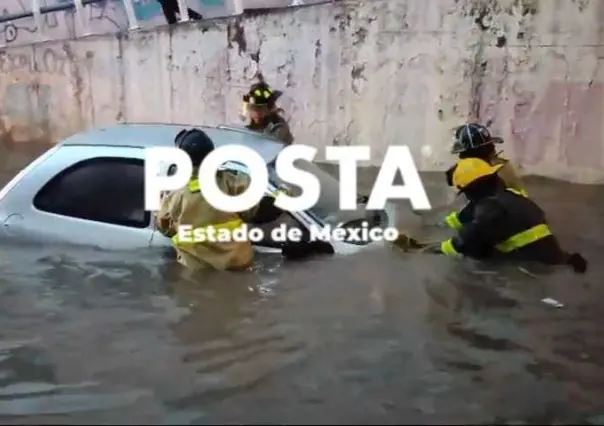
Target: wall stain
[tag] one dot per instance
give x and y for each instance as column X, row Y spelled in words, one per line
column 25, row 111
column 77, row 80
column 484, row 11
column 344, row 21
column 121, row 103
column 581, row 4
column 236, row 34
column 478, row 72
column 357, row 71
column 358, row 75
column 316, row 74
column 255, row 56
column 359, row 36
column 483, row 8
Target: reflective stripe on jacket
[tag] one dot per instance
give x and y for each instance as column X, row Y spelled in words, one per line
column 456, row 220
column 507, row 223
column 515, row 242
column 188, row 207
column 510, row 177
column 230, row 225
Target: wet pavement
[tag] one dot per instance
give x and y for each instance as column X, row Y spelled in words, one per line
column 381, row 337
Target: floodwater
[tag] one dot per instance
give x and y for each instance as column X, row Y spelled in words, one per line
column 380, row 337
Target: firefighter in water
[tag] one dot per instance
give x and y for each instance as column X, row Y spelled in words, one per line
column 475, row 141
column 259, row 104
column 504, row 222
column 187, row 206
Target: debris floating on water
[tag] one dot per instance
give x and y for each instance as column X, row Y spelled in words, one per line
column 530, row 274
column 552, row 302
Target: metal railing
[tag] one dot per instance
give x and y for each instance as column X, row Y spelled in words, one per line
column 37, row 11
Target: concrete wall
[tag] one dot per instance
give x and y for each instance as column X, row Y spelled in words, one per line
column 108, row 16
column 358, row 72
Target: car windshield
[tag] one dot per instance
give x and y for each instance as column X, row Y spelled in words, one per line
column 327, row 208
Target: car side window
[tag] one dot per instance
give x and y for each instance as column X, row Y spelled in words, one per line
column 107, row 189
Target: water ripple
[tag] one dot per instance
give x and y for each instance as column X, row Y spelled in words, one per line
column 128, row 338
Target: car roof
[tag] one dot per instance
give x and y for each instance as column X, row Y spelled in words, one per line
column 150, row 135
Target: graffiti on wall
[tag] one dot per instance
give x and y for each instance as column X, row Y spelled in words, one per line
column 98, row 18
column 46, row 60
column 37, row 74
column 107, row 16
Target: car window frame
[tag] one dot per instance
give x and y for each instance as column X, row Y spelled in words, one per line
column 305, row 219
column 148, row 218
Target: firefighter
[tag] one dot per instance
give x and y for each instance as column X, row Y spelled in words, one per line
column 259, row 104
column 475, row 141
column 187, row 206
column 503, row 222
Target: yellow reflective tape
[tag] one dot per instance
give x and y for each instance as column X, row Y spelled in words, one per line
column 524, row 238
column 230, row 225
column 453, row 222
column 276, row 194
column 193, row 185
column 447, row 248
column 520, row 192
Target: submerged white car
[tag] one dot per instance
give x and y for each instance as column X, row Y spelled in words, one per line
column 89, row 190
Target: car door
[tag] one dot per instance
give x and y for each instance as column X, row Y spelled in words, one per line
column 89, row 195
column 270, row 243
